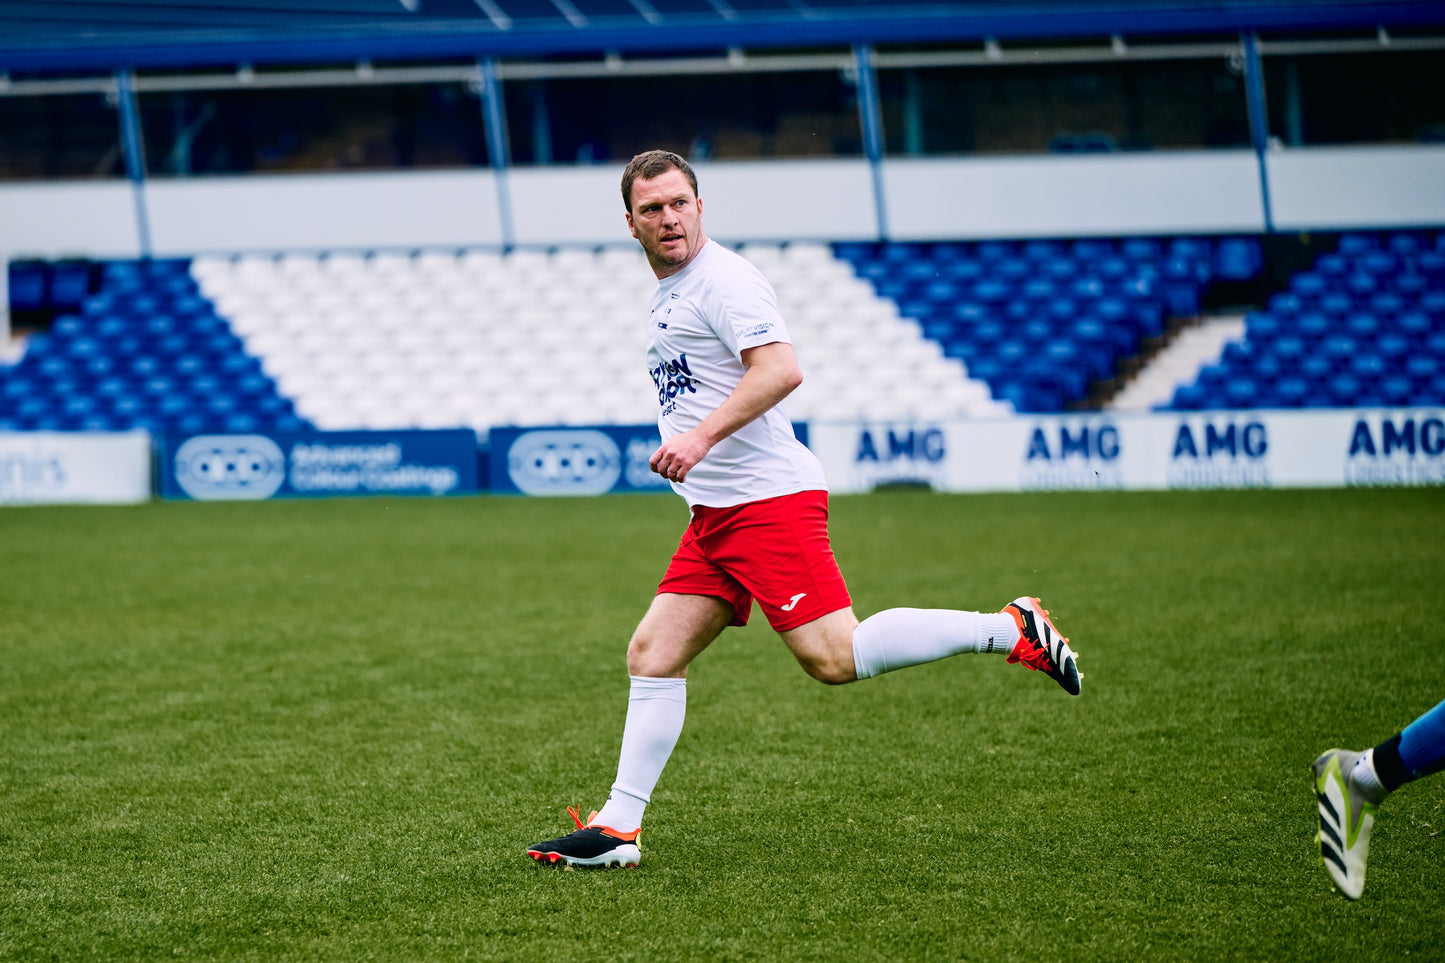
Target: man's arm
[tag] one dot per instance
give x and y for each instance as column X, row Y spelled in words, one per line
column 772, row 375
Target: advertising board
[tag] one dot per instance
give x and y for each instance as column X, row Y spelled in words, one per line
column 74, row 467
column 1163, row 450
column 592, row 460
column 318, row 464
column 574, row 461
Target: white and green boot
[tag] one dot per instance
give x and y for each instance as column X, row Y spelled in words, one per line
column 1346, row 816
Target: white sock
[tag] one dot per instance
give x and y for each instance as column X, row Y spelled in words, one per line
column 1365, row 777
column 897, row 638
column 655, row 710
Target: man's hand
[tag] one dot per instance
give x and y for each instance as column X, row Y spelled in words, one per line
column 676, row 456
column 772, row 373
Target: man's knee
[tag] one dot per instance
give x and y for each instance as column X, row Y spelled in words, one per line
column 652, row 658
column 830, row 670
column 830, row 664
column 824, row 647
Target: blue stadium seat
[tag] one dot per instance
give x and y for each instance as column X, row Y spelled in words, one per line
column 1241, row 392
column 1284, row 304
column 969, row 312
column 1091, row 249
column 1042, row 250
column 1356, row 244
column 1397, row 390
column 70, row 284
column 961, row 270
column 1362, row 325
column 1308, row 285
column 1191, row 248
column 1404, row 243
column 1316, row 367
column 1344, row 389
column 1060, row 269
column 1141, row 249
column 1408, row 288
column 1261, row 326
column 1238, row 259
column 1038, row 289
column 1313, row 326
column 1431, row 264
column 1336, row 304
column 856, row 252
column 1087, row 287
column 991, row 291
column 1378, row 262
column 1290, row 391
column 1189, row 397
column 29, row 285
column 1367, row 366
column 1393, row 347
column 1362, row 285
column 1339, row 348
column 1423, row 367
column 1386, row 304
column 988, row 333
column 990, row 251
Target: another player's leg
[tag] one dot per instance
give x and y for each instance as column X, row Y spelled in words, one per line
column 675, row 629
column 1347, row 813
column 1351, row 785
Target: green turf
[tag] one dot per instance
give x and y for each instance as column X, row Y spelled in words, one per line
column 328, row 730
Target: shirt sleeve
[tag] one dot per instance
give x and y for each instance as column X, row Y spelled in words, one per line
column 748, row 312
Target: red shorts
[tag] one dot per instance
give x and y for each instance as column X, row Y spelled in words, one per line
column 775, row 550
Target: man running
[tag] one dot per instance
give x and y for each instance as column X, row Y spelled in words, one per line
column 722, row 363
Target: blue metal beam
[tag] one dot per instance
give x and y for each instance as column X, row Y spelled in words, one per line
column 51, row 47
column 1258, row 122
column 132, row 146
column 870, row 115
column 495, row 118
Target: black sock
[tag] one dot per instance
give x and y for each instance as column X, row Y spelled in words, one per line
column 1389, row 766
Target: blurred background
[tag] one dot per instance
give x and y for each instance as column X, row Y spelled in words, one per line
column 244, row 215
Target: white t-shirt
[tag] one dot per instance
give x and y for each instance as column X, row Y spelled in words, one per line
column 703, row 318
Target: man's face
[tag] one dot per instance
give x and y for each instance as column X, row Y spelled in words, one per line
column 666, row 217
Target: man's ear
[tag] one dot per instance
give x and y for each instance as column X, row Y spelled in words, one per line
column 630, row 226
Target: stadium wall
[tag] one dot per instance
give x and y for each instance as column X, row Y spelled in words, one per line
column 1068, row 196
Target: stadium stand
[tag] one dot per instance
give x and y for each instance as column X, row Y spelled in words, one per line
column 1042, row 320
column 142, row 350
column 1364, row 326
column 480, row 339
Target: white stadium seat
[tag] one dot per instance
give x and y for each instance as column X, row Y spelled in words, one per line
column 482, row 338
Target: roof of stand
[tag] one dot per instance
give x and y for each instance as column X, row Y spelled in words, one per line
column 70, row 36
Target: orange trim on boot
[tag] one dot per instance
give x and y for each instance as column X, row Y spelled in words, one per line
column 576, row 815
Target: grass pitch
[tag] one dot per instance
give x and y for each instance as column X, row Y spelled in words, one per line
column 328, row 730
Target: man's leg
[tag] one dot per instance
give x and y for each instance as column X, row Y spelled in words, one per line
column 675, row 629
column 837, row 648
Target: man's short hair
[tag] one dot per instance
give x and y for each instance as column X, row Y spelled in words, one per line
column 650, row 164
